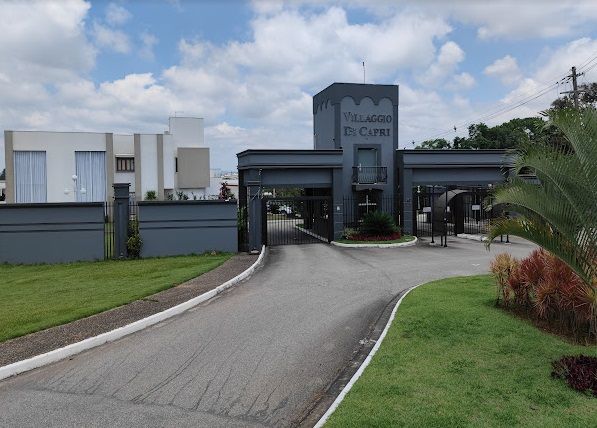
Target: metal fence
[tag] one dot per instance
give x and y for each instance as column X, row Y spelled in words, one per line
column 296, row 220
column 466, row 211
column 356, row 208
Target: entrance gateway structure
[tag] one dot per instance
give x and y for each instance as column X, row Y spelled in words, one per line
column 355, row 167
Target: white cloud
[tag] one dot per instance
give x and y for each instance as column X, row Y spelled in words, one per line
column 450, row 55
column 513, row 19
column 505, row 69
column 148, row 41
column 44, row 41
column 116, row 14
column 111, row 39
column 462, row 82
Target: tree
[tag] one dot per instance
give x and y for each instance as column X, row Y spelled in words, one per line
column 559, row 212
column 438, row 143
column 225, row 192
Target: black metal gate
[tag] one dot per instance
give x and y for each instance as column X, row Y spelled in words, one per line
column 451, row 210
column 297, row 220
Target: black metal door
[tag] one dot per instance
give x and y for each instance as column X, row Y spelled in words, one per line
column 296, row 220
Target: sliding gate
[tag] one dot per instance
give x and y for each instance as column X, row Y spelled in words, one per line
column 297, row 220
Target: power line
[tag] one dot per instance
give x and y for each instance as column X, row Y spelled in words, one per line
column 525, row 100
column 492, row 114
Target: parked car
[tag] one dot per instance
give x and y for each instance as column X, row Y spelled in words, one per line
column 285, row 209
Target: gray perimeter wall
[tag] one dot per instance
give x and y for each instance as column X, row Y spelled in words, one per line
column 170, row 228
column 51, row 233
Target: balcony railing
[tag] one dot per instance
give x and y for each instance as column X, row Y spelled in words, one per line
column 369, row 175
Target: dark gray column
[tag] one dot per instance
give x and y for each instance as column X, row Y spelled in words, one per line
column 253, row 191
column 337, row 202
column 407, row 203
column 121, row 218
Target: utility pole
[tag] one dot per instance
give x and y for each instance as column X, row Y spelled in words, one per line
column 574, row 75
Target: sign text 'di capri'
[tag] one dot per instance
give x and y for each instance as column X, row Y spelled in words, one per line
column 368, row 124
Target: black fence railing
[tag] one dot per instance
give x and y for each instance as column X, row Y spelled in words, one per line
column 369, row 174
column 355, row 209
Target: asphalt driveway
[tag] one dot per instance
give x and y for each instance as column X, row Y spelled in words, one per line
column 255, row 356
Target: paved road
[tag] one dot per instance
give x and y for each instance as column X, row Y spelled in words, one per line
column 256, row 356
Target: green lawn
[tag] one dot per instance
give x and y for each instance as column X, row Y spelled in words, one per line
column 451, row 358
column 403, row 238
column 36, row 297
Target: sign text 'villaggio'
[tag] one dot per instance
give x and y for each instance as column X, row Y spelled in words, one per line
column 369, row 125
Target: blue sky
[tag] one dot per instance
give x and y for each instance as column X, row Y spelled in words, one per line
column 251, row 68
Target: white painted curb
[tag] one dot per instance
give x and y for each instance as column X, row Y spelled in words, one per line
column 313, row 234
column 363, row 366
column 472, row 237
column 110, row 336
column 394, row 245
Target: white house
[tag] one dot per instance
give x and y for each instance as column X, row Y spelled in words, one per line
column 46, row 166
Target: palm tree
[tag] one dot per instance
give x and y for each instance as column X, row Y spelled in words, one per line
column 559, row 210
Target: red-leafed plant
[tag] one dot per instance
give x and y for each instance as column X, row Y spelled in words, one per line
column 579, row 371
column 548, row 290
column 502, row 267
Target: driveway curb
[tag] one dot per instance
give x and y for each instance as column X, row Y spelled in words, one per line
column 110, row 336
column 394, row 245
column 320, row 423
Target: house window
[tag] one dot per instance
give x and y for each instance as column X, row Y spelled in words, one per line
column 175, row 164
column 125, row 164
column 91, row 176
column 30, row 176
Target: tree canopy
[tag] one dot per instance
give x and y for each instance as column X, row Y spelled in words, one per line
column 508, row 135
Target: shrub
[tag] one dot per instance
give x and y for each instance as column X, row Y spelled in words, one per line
column 531, row 272
column 349, row 233
column 501, row 268
column 549, row 288
column 378, row 223
column 134, row 241
column 579, row 371
column 151, row 195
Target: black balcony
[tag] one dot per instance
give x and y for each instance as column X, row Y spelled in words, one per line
column 369, row 175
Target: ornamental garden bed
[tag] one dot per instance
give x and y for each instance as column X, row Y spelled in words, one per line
column 376, row 228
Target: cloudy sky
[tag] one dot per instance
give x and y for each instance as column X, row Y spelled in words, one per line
column 251, row 68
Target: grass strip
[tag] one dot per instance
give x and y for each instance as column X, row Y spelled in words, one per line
column 451, row 358
column 36, row 297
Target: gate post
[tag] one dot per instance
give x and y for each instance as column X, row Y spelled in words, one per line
column 121, row 218
column 255, row 216
column 408, row 207
column 336, row 209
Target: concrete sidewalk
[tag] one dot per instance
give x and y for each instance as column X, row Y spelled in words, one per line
column 258, row 355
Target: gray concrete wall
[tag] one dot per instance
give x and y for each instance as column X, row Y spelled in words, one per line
column 51, row 233
column 170, row 228
column 324, row 119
